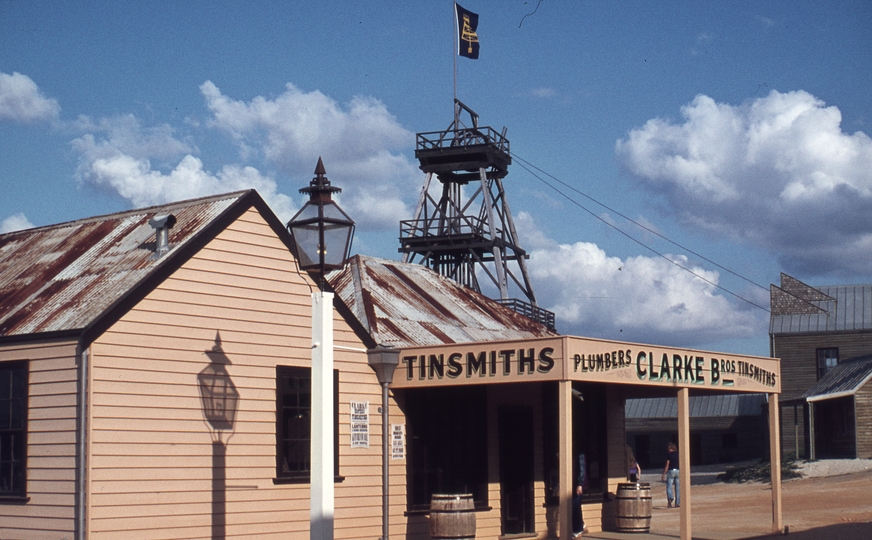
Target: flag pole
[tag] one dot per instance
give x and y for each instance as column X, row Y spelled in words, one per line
column 454, row 51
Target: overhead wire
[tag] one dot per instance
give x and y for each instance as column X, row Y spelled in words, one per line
column 527, row 166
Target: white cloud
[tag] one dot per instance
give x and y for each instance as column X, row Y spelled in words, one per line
column 126, row 135
column 640, row 299
column 766, row 22
column 16, row 222
column 21, row 100
column 358, row 144
column 776, row 172
column 135, row 180
column 118, row 157
column 543, row 92
column 703, row 39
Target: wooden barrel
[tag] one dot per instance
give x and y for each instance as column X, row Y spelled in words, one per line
column 452, row 516
column 634, row 507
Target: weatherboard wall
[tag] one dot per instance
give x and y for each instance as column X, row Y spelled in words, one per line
column 798, row 353
column 617, row 471
column 152, row 470
column 799, row 357
column 863, row 408
column 51, row 443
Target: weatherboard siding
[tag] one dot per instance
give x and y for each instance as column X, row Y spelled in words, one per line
column 799, row 357
column 799, row 373
column 151, row 452
column 863, row 408
column 601, row 516
column 51, row 443
column 793, row 439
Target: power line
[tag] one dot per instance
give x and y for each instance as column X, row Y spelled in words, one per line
column 643, row 226
column 526, row 165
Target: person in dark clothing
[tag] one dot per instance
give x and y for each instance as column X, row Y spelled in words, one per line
column 671, row 476
column 578, row 527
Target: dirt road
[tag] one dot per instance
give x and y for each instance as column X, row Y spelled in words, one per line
column 833, row 508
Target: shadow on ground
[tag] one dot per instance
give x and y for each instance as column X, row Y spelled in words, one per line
column 842, row 531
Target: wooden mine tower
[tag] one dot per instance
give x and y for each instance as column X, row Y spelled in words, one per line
column 470, row 226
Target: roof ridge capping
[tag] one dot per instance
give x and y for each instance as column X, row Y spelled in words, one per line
column 410, row 305
column 78, row 277
column 156, row 209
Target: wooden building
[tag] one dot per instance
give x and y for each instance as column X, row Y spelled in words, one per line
column 541, row 399
column 840, row 409
column 111, row 348
column 826, row 407
column 492, row 401
column 154, row 383
column 723, row 428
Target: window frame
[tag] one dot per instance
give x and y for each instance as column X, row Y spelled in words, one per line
column 18, row 466
column 822, row 355
column 302, row 477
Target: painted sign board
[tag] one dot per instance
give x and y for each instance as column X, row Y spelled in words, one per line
column 584, row 359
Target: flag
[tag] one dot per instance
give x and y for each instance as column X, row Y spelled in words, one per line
column 467, row 39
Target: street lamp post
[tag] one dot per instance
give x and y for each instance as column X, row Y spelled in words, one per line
column 321, row 238
column 384, row 360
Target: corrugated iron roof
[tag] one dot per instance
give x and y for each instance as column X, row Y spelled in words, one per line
column 843, row 380
column 700, row 406
column 61, row 278
column 407, row 305
column 799, row 308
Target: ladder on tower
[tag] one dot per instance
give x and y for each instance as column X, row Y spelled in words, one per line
column 466, row 224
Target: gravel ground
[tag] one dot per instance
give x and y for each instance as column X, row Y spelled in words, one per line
column 707, row 474
column 831, row 501
column 833, row 467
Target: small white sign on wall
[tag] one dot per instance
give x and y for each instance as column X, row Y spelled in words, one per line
column 398, row 441
column 360, row 424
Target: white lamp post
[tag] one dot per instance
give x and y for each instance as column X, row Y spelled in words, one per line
column 384, row 360
column 321, row 234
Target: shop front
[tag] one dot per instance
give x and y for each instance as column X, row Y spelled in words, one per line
column 513, row 423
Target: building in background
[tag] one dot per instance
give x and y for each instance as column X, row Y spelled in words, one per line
column 723, row 428
column 823, row 336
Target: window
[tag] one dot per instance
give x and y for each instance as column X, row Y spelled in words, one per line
column 827, row 359
column 447, row 442
column 13, row 429
column 294, row 423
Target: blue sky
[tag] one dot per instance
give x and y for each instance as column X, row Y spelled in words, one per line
column 738, row 130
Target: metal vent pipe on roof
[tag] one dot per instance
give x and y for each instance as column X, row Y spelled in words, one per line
column 162, row 225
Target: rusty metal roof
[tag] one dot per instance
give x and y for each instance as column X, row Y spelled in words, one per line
column 63, row 278
column 76, row 278
column 407, row 305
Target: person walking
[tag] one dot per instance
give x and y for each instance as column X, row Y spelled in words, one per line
column 634, row 472
column 580, row 468
column 670, row 475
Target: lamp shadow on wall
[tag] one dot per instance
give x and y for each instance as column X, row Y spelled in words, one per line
column 220, row 400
